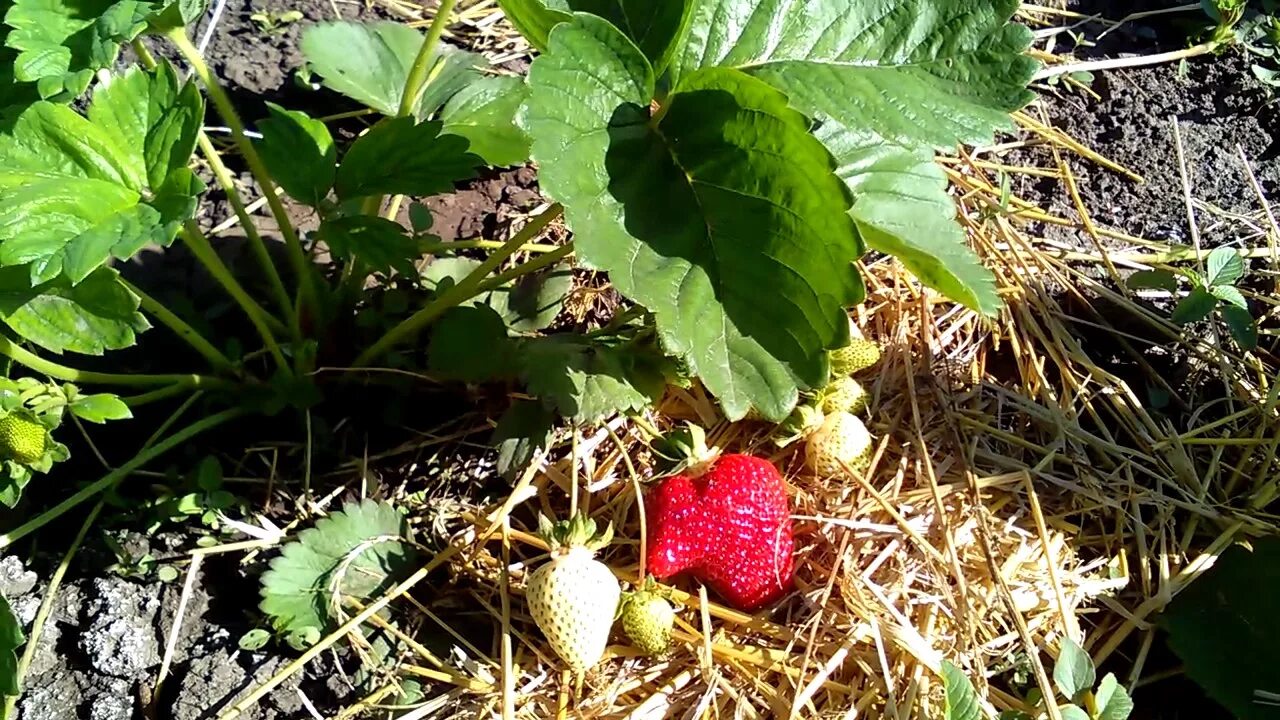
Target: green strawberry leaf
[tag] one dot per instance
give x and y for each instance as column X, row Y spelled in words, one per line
column 379, row 243
column 484, row 113
column 1223, row 267
column 1073, row 712
column 77, row 191
column 1194, row 307
column 1074, row 672
column 61, row 44
column 100, row 408
column 524, row 429
column 470, row 344
column 1242, row 326
column 741, row 248
column 356, row 553
column 657, row 28
column 902, row 207
column 403, row 156
column 11, row 638
column 934, row 72
column 1112, row 699
column 590, row 382
column 176, row 14
column 962, row 699
column 299, row 153
column 369, row 63
column 1224, row 626
column 94, row 316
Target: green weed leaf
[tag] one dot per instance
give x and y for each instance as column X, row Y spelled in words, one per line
column 11, row 638
column 741, row 248
column 1242, row 326
column 100, row 408
column 1224, row 626
column 962, row 699
column 255, row 639
column 369, row 63
column 403, row 156
column 524, row 429
column 299, row 152
column 1112, row 699
column 77, row 191
column 356, row 552
column 484, row 113
column 1194, row 307
column 377, row 242
column 1074, row 672
column 935, row 72
column 1224, row 267
column 1152, row 280
column 903, row 209
column 1230, row 295
column 97, row 315
column 61, row 44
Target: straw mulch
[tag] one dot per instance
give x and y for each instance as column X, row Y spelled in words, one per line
column 1021, row 493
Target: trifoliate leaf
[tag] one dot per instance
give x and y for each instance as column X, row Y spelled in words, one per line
column 62, row 44
column 723, row 216
column 356, row 553
column 77, row 191
column 1224, row 626
column 403, row 156
column 937, row 72
column 369, row 63
column 903, row 209
column 11, row 638
column 97, row 315
column 1074, row 673
column 962, row 700
column 299, row 152
column 484, row 113
column 379, row 243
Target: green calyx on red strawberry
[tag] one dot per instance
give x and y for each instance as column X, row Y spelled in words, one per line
column 725, row 521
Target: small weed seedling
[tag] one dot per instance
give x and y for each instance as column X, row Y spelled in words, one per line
column 1214, row 291
column 1252, row 25
column 274, row 23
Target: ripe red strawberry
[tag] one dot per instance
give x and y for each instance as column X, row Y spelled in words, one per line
column 729, row 527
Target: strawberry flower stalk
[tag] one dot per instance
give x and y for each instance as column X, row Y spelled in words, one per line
column 574, row 597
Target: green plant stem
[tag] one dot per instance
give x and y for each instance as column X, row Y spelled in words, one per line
column 111, row 478
column 523, row 269
column 182, row 329
column 46, row 606
column 262, row 321
column 152, row 396
column 256, row 243
column 227, row 183
column 439, row 247
column 34, row 362
column 302, row 268
column 421, row 68
column 466, row 289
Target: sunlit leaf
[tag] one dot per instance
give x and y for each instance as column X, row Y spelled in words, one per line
column 94, row 316
column 484, row 113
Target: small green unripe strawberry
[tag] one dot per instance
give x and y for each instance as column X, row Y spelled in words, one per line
column 574, row 598
column 844, row 394
column 857, row 356
column 22, row 439
column 647, row 619
column 841, row 439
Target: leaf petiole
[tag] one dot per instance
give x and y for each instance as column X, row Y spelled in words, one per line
column 34, row 362
column 183, row 330
column 470, row 286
